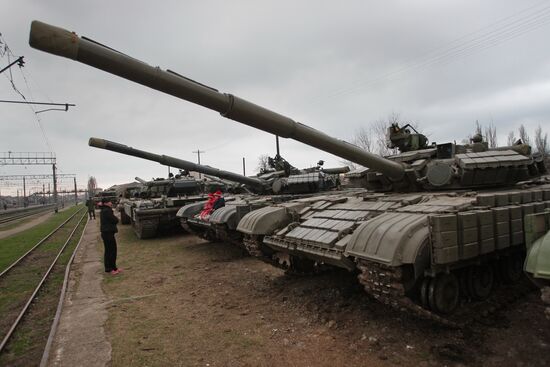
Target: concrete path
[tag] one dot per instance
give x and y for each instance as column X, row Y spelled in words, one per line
column 80, row 339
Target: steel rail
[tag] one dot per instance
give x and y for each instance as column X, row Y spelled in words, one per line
column 57, row 317
column 6, row 218
column 38, row 244
column 38, row 287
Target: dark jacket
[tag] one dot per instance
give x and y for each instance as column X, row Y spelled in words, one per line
column 90, row 204
column 108, row 220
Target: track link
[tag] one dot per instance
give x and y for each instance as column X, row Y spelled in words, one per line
column 253, row 245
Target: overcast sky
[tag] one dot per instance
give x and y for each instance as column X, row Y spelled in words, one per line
column 335, row 66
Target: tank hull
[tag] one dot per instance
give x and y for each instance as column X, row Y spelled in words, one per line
column 158, row 218
column 422, row 243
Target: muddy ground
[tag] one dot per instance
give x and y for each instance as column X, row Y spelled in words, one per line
column 182, row 301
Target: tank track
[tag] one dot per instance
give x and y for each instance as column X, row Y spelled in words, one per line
column 186, row 226
column 222, row 233
column 253, row 243
column 384, row 283
column 145, row 229
column 124, row 219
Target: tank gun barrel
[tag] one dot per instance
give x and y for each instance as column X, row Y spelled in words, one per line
column 140, row 180
column 61, row 42
column 336, row 170
column 176, row 162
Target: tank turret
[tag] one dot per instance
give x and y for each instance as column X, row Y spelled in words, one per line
column 177, row 163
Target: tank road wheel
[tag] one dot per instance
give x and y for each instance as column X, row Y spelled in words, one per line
column 511, row 268
column 443, row 293
column 463, row 281
column 480, row 281
column 424, row 287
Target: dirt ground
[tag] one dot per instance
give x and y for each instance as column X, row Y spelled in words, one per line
column 182, row 301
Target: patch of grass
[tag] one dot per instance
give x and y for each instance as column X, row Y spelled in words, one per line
column 13, row 247
column 27, row 343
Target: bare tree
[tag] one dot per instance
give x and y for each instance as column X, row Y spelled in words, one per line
column 490, row 135
column 511, row 138
column 363, row 139
column 92, row 186
column 541, row 142
column 379, row 129
column 263, row 163
column 523, row 135
column 478, row 128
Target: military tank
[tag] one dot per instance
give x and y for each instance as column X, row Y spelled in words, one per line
column 435, row 224
column 154, row 210
column 127, row 193
column 278, row 182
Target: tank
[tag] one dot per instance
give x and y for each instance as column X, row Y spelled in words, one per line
column 126, row 193
column 279, row 182
column 153, row 210
column 435, row 227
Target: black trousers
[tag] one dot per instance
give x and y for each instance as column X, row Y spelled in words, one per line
column 91, row 213
column 109, row 258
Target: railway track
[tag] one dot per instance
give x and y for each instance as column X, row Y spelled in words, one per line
column 30, row 292
column 23, row 213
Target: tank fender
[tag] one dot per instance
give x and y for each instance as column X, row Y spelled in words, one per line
column 393, row 239
column 226, row 215
column 537, row 261
column 267, row 220
column 190, row 210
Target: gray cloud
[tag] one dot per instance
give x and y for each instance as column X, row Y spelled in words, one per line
column 330, row 65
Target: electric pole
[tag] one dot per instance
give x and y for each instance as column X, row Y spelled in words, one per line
column 55, row 187
column 24, row 193
column 198, row 151
column 75, row 192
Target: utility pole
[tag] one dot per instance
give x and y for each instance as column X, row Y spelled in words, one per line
column 43, row 194
column 55, row 187
column 75, row 193
column 198, row 151
column 24, row 193
column 244, row 167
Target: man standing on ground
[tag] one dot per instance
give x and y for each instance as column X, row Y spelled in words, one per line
column 91, row 208
column 108, row 222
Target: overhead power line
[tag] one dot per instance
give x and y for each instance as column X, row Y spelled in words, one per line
column 502, row 30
